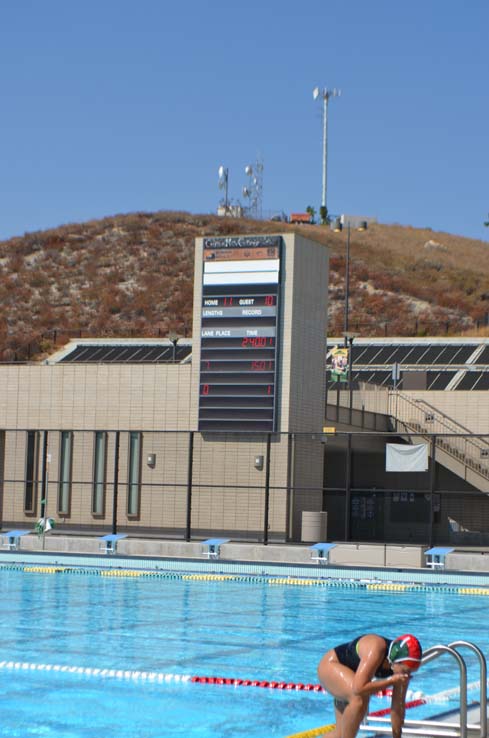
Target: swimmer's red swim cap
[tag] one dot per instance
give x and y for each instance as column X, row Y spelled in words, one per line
column 405, row 649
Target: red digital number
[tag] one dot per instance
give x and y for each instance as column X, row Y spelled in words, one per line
column 269, row 300
column 257, row 342
column 205, row 389
column 261, row 366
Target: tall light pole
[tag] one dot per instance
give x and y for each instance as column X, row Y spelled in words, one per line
column 348, row 336
column 338, row 226
column 325, row 94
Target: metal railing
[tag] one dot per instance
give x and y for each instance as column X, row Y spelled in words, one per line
column 451, row 437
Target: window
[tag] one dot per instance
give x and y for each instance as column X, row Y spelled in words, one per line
column 65, row 462
column 99, row 473
column 31, row 471
column 134, row 472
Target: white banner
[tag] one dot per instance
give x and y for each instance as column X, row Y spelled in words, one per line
column 404, row 458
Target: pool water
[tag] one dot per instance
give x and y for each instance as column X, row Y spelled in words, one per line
column 231, row 629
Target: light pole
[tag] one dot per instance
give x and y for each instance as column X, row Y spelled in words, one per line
column 325, row 94
column 338, row 226
column 349, row 338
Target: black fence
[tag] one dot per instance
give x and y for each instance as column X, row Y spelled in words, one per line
column 250, row 487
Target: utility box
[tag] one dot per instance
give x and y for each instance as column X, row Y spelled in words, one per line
column 314, row 526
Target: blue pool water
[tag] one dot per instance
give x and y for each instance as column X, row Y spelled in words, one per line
column 232, row 629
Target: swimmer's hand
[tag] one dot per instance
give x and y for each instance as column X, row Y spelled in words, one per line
column 400, row 678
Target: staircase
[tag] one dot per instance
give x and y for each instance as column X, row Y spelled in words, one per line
column 464, row 453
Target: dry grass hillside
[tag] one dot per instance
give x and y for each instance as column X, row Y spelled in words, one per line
column 132, row 275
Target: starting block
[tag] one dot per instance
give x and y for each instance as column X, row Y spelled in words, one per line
column 320, row 552
column 108, row 543
column 435, row 557
column 12, row 538
column 211, row 547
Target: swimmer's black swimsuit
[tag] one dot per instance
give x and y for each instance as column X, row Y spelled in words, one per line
column 348, row 656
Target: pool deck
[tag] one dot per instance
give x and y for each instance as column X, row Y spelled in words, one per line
column 373, row 565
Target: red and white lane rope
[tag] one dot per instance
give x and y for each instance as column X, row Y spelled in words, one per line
column 155, row 676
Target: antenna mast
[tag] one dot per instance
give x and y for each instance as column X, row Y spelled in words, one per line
column 223, row 185
column 254, row 189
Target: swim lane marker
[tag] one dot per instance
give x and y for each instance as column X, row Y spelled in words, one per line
column 153, row 676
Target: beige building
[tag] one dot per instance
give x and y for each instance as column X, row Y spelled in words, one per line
column 111, row 440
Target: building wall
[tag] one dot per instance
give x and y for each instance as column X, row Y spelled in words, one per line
column 95, row 396
column 303, row 372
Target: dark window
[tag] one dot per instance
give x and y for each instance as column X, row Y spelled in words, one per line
column 31, row 471
column 65, row 465
column 99, row 473
column 134, row 472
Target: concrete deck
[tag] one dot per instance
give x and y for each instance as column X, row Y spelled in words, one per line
column 353, row 561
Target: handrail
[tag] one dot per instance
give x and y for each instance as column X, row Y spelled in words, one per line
column 416, row 402
column 444, row 415
column 435, row 652
column 467, row 450
column 483, row 681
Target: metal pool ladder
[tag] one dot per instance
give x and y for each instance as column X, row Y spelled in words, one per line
column 461, row 729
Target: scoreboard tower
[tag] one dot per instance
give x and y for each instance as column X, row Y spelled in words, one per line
column 258, row 370
column 240, row 334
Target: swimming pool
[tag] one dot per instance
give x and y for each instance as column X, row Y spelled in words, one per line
column 89, row 655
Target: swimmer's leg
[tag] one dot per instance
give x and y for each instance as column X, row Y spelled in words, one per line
column 339, row 708
column 353, row 715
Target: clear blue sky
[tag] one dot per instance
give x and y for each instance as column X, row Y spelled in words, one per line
column 115, row 106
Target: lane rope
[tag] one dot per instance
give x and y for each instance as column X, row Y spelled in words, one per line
column 129, row 674
column 154, row 676
column 372, row 586
column 314, row 732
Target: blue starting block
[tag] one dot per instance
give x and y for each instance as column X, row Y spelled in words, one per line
column 212, row 547
column 108, row 543
column 435, row 557
column 320, row 552
column 12, row 538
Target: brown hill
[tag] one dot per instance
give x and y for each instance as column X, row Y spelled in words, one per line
column 132, row 275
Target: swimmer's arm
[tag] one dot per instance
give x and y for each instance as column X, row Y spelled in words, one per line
column 398, row 707
column 371, row 686
column 363, row 681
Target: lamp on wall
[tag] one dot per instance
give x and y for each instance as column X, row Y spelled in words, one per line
column 173, row 338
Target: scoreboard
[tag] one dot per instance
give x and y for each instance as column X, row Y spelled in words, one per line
column 240, row 335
